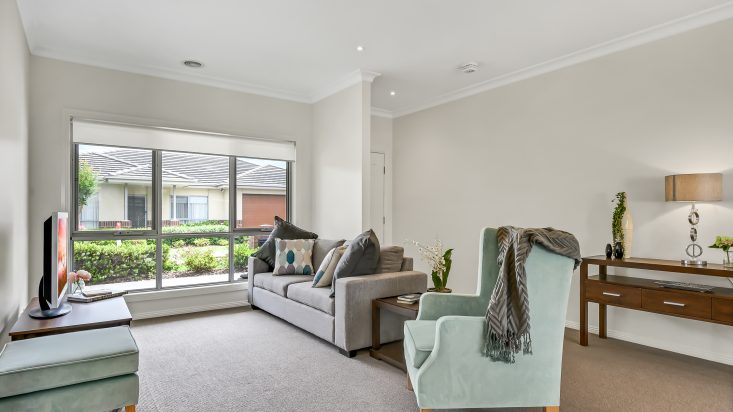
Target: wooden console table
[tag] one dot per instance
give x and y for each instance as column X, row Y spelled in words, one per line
column 643, row 294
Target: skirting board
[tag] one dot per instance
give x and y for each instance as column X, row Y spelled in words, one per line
column 663, row 345
column 188, row 309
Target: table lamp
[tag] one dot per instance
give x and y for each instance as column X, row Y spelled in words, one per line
column 698, row 187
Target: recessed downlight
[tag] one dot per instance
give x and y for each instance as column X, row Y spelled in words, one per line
column 193, row 64
column 392, row 93
column 360, row 48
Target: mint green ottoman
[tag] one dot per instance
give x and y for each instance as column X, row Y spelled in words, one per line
column 92, row 370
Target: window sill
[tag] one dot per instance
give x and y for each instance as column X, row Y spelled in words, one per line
column 134, row 297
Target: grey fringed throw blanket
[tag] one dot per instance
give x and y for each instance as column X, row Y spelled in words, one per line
column 507, row 317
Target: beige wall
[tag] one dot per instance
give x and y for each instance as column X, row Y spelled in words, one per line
column 341, row 144
column 59, row 88
column 381, row 131
column 553, row 151
column 14, row 96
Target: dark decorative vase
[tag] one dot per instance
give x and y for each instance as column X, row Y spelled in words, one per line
column 609, row 251
column 618, row 250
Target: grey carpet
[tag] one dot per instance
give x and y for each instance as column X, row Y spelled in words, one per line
column 242, row 360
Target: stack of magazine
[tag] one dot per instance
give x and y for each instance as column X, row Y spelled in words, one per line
column 409, row 299
column 95, row 295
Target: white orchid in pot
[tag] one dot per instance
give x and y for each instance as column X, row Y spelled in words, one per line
column 440, row 262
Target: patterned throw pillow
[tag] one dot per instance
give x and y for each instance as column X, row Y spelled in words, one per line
column 293, row 257
column 324, row 275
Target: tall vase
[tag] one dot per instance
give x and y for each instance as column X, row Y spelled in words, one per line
column 627, row 226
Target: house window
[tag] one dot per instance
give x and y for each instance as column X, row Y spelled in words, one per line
column 149, row 218
column 190, row 208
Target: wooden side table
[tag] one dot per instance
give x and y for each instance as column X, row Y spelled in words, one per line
column 84, row 316
column 393, row 352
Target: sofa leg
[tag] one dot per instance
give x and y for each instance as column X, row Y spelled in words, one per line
column 409, row 382
column 253, row 307
column 347, row 353
column 130, row 408
column 551, row 409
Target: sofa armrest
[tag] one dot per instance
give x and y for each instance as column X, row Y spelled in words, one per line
column 435, row 305
column 354, row 297
column 254, row 266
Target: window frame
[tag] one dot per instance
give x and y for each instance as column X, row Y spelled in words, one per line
column 156, row 231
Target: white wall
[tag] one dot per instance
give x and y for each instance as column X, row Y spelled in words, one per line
column 341, row 144
column 14, row 73
column 382, row 143
column 553, row 151
column 59, row 88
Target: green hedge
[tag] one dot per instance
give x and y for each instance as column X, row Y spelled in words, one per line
column 130, row 261
column 242, row 252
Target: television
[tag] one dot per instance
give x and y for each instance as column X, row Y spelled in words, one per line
column 53, row 286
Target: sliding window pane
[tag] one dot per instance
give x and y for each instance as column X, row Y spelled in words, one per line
column 244, row 247
column 195, row 260
column 261, row 192
column 114, row 188
column 117, row 264
column 195, row 193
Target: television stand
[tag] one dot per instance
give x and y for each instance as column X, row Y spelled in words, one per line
column 84, row 316
column 40, row 313
column 715, row 306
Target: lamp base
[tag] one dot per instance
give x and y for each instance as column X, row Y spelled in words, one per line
column 694, row 262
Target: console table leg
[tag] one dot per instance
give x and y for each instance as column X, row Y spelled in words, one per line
column 583, row 305
column 602, row 321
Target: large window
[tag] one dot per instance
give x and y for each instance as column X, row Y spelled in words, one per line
column 149, row 219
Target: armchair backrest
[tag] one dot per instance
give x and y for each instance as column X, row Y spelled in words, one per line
column 548, row 283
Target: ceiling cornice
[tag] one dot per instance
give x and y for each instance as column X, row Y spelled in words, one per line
column 670, row 28
column 357, row 76
column 195, row 78
column 376, row 111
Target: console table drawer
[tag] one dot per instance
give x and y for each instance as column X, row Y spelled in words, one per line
column 723, row 310
column 677, row 303
column 614, row 294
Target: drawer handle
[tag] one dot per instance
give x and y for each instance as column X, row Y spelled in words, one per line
column 682, row 305
column 615, row 295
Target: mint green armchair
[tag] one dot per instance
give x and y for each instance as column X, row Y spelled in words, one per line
column 443, row 347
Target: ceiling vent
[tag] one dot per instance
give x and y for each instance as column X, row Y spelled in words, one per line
column 469, row 67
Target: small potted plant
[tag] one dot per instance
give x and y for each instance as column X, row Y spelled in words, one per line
column 440, row 262
column 725, row 243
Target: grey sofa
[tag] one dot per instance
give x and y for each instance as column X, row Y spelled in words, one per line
column 344, row 320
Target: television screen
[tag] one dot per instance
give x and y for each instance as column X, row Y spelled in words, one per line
column 62, row 224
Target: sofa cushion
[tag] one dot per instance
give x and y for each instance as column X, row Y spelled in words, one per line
column 317, row 298
column 324, row 274
column 321, row 247
column 360, row 258
column 279, row 284
column 419, row 341
column 66, row 359
column 282, row 230
column 293, row 257
column 390, row 259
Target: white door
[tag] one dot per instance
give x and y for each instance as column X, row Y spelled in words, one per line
column 377, row 194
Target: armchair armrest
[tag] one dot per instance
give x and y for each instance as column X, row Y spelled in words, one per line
column 435, row 305
column 254, row 266
column 353, row 311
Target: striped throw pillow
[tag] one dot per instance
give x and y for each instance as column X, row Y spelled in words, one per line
column 324, row 275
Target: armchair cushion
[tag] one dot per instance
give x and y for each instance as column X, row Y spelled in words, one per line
column 66, row 359
column 419, row 340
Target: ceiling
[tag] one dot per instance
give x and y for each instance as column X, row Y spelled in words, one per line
column 299, row 50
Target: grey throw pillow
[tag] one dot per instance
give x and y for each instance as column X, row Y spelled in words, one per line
column 282, row 230
column 390, row 259
column 360, row 258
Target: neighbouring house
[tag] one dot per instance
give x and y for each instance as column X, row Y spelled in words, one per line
column 195, row 189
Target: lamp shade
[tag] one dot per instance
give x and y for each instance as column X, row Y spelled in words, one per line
column 698, row 187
